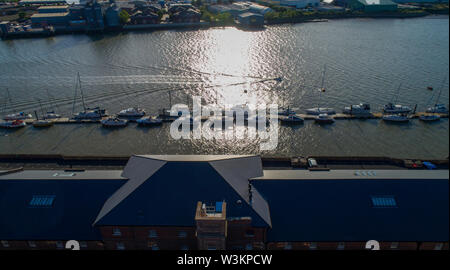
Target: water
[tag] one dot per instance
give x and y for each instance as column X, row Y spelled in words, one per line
column 366, row 61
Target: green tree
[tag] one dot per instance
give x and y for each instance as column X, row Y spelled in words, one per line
column 22, row 14
column 124, row 17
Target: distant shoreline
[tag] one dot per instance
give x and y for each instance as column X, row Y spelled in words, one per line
column 205, row 25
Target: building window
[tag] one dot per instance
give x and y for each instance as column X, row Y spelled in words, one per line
column 59, row 245
column 394, row 245
column 313, row 245
column 120, row 246
column 182, row 234
column 152, row 234
column 438, row 246
column 83, row 244
column 249, row 247
column 211, row 247
column 287, row 246
column 5, row 243
column 31, row 244
column 117, row 232
column 341, row 246
column 184, row 247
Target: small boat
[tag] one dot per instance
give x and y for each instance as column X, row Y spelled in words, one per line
column 131, row 112
column 395, row 118
column 89, row 113
column 291, row 119
column 437, row 108
column 429, row 118
column 12, row 124
column 285, row 111
column 324, row 118
column 362, row 108
column 114, row 122
column 42, row 123
column 430, row 88
column 51, row 115
column 17, row 116
column 392, row 109
column 318, row 111
column 149, row 121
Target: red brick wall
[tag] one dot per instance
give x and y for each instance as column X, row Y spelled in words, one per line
column 50, row 245
column 242, row 235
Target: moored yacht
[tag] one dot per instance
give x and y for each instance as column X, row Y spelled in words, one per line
column 429, row 118
column 395, row 118
column 362, row 108
column 149, row 121
column 318, row 111
column 390, row 108
column 291, row 119
column 17, row 116
column 42, row 123
column 114, row 122
column 94, row 113
column 51, row 115
column 132, row 112
column 324, row 118
column 437, row 108
column 12, row 124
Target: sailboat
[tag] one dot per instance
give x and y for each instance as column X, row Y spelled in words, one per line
column 41, row 122
column 392, row 108
column 438, row 108
column 164, row 114
column 15, row 116
column 318, row 110
column 51, row 114
column 87, row 113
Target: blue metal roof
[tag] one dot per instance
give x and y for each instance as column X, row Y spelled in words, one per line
column 342, row 210
column 169, row 197
column 59, row 209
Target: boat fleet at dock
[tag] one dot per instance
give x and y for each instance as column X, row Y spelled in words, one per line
column 391, row 112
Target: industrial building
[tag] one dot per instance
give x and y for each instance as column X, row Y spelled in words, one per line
column 223, row 202
column 370, row 5
column 299, row 3
column 249, row 19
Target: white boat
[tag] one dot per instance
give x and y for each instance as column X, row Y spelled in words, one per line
column 87, row 113
column 291, row 119
column 437, row 108
column 362, row 108
column 51, row 115
column 285, row 111
column 12, row 124
column 149, row 121
column 114, row 122
column 395, row 118
column 131, row 112
column 429, row 118
column 318, row 111
column 324, row 119
column 42, row 123
column 94, row 113
column 17, row 116
column 392, row 109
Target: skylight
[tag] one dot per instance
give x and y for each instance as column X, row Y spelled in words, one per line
column 42, row 200
column 383, row 201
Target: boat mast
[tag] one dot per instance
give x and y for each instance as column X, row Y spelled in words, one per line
column 439, row 95
column 322, row 86
column 75, row 97
column 398, row 91
column 81, row 91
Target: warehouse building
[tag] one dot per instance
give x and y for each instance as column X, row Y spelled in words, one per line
column 249, row 19
column 56, row 19
column 223, row 202
column 372, row 5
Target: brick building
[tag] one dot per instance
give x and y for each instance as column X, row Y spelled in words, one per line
column 223, row 202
